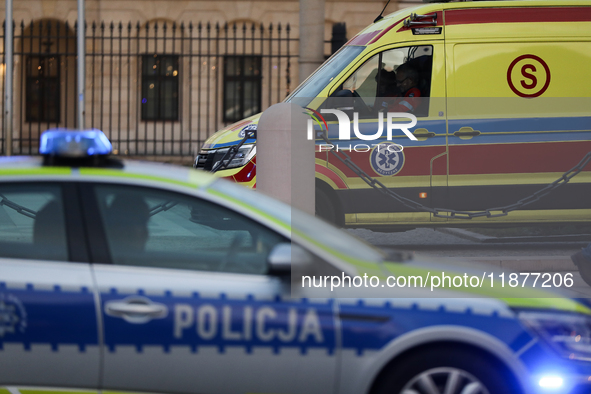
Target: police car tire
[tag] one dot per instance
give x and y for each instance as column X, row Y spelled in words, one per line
column 493, row 376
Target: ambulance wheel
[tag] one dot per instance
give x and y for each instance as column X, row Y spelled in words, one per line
column 326, row 208
column 446, row 369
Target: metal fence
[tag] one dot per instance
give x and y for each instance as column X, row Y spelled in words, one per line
column 155, row 89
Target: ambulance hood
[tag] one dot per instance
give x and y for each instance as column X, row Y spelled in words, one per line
column 232, row 134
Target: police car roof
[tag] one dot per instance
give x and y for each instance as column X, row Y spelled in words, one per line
column 154, row 171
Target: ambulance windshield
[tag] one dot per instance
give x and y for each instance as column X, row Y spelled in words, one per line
column 312, row 86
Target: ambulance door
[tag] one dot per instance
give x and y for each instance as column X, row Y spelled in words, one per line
column 412, row 169
column 518, row 120
column 188, row 306
column 48, row 322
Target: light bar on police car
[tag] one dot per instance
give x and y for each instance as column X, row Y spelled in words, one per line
column 73, row 143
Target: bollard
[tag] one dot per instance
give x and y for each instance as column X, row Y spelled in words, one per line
column 285, row 157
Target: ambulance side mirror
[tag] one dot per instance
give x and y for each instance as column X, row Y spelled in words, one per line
column 285, row 254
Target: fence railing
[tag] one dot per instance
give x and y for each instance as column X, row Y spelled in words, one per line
column 155, row 89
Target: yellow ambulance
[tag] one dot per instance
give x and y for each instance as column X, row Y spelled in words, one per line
column 501, row 94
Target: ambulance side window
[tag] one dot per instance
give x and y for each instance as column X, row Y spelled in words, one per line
column 32, row 223
column 153, row 228
column 396, row 80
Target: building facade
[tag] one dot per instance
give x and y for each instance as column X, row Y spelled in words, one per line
column 161, row 76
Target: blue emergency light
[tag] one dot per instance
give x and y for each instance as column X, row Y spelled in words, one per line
column 74, row 143
column 551, row 382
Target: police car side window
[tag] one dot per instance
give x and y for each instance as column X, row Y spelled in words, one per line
column 32, row 224
column 152, row 228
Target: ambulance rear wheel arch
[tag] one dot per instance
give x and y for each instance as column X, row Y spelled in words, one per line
column 464, row 359
column 328, row 205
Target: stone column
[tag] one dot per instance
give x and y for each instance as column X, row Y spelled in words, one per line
column 311, row 37
column 285, row 157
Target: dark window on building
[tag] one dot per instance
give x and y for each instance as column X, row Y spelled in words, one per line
column 160, row 87
column 43, row 89
column 339, row 36
column 242, row 87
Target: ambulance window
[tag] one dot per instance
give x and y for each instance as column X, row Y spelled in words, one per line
column 32, row 224
column 325, row 74
column 396, row 80
column 153, row 228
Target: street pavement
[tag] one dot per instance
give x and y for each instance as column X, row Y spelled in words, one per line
column 536, row 254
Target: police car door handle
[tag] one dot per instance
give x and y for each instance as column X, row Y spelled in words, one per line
column 136, row 309
column 121, row 308
column 466, row 133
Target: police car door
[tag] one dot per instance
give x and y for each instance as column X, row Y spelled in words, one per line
column 188, row 306
column 48, row 320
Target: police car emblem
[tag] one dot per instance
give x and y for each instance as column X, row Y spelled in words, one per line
column 12, row 315
column 250, row 127
column 387, row 158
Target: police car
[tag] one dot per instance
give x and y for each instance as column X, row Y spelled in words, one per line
column 140, row 277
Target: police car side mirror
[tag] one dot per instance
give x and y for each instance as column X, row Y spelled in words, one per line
column 282, row 257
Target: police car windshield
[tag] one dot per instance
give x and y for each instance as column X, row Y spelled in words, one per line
column 315, row 229
column 312, row 86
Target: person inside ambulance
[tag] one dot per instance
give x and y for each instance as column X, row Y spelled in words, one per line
column 407, row 80
column 387, row 88
column 346, row 99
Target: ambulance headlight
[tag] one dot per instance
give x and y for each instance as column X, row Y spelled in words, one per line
column 570, row 335
column 243, row 156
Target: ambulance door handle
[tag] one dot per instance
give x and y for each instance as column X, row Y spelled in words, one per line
column 465, row 133
column 136, row 309
column 423, row 134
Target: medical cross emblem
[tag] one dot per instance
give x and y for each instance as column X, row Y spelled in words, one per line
column 386, row 159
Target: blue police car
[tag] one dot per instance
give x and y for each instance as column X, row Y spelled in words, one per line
column 119, row 276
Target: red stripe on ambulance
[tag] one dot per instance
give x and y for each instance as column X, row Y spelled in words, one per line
column 518, row 15
column 331, row 175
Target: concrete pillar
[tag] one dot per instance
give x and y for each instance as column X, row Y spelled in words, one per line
column 311, row 52
column 81, row 63
column 8, row 51
column 285, row 157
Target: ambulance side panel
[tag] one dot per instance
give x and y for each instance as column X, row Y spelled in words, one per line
column 518, row 110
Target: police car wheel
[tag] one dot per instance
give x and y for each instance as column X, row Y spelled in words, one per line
column 445, row 370
column 439, row 380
